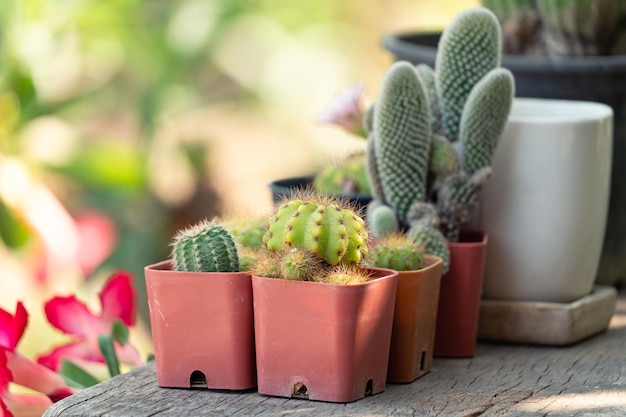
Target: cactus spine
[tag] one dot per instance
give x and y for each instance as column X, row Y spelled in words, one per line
column 435, row 133
column 205, row 247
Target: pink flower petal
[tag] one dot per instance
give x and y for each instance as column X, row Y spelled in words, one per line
column 118, row 299
column 70, row 351
column 5, row 378
column 23, row 405
column 72, row 317
column 33, row 375
column 12, row 326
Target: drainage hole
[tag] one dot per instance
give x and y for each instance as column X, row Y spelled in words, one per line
column 369, row 388
column 300, row 391
column 197, row 380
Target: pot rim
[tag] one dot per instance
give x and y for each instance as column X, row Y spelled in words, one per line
column 609, row 64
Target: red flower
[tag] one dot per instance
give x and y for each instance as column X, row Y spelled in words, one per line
column 69, row 315
column 12, row 327
column 16, row 368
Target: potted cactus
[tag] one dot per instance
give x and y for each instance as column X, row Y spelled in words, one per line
column 431, row 141
column 322, row 321
column 417, row 298
column 562, row 49
column 201, row 312
column 347, row 177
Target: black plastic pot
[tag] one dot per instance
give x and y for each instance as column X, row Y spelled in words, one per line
column 598, row 78
column 286, row 187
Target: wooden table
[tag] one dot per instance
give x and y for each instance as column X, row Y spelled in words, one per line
column 586, row 379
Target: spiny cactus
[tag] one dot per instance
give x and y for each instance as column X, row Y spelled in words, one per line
column 320, row 225
column 561, row 27
column 205, row 247
column 345, row 177
column 346, row 275
column 435, row 132
column 397, row 251
column 401, row 122
column 247, row 231
column 469, row 48
column 314, row 237
column 300, row 265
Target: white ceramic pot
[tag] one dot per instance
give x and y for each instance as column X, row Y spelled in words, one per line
column 545, row 206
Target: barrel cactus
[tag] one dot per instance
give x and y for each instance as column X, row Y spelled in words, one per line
column 434, row 134
column 205, row 247
column 320, row 225
column 312, row 236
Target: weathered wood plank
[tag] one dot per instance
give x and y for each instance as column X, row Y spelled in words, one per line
column 588, row 378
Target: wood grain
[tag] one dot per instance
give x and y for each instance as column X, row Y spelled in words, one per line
column 586, row 379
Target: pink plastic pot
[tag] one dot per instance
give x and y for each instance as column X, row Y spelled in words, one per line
column 459, row 296
column 202, row 328
column 323, row 341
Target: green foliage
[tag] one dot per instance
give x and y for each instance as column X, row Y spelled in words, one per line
column 75, row 376
column 205, row 247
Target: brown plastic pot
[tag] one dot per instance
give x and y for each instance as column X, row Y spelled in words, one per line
column 202, row 328
column 323, row 341
column 459, row 296
column 414, row 322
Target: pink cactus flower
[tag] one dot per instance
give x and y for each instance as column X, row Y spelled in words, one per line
column 68, row 314
column 346, row 111
column 22, row 371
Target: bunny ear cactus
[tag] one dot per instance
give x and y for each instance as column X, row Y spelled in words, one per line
column 401, row 140
column 205, row 247
column 434, row 134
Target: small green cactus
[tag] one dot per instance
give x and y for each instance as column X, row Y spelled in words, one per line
column 346, row 275
column 320, row 225
column 397, row 251
column 346, row 177
column 205, row 247
column 314, row 237
column 300, row 265
column 247, row 231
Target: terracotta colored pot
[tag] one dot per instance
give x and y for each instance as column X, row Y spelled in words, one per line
column 323, row 341
column 459, row 296
column 414, row 322
column 202, row 328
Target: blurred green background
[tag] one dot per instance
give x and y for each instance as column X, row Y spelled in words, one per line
column 124, row 120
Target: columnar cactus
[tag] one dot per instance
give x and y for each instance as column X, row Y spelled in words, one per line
column 435, row 132
column 205, row 247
